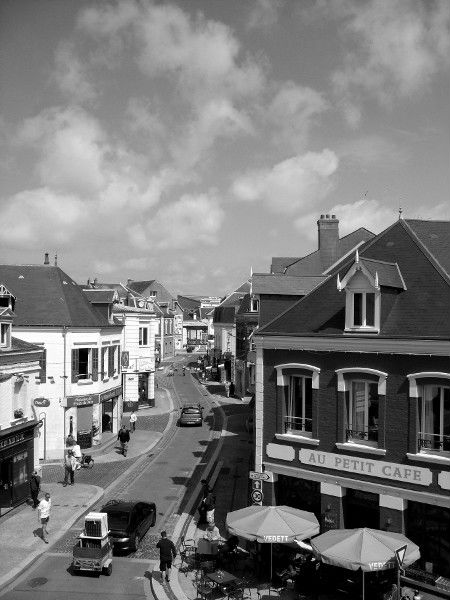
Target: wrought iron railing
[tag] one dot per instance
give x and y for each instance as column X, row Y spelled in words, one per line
column 368, row 435
column 297, row 425
column 433, row 441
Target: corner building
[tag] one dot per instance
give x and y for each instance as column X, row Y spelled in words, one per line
column 352, row 414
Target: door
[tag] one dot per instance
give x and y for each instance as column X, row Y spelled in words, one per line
column 361, row 509
column 6, row 483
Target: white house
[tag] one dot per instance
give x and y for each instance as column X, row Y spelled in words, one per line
column 80, row 383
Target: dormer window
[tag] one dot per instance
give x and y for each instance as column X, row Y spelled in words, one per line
column 363, row 309
column 5, row 335
column 254, row 305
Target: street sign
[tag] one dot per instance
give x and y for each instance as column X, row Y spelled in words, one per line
column 256, row 475
column 256, row 484
column 257, row 496
column 400, row 555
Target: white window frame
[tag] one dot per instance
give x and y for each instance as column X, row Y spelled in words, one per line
column 254, row 305
column 289, row 416
column 350, row 325
column 89, row 365
column 350, row 407
column 5, row 339
column 423, row 449
column 143, row 336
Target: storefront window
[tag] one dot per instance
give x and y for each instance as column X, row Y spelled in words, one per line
column 298, row 493
column 428, row 527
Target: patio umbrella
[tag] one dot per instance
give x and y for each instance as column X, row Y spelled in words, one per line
column 365, row 549
column 272, row 524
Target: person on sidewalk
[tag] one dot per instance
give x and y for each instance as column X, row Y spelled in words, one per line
column 78, row 455
column 124, row 438
column 133, row 419
column 44, row 509
column 167, row 553
column 70, row 464
column 35, row 488
column 210, row 505
column 227, row 389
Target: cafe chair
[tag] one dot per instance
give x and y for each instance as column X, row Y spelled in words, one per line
column 204, row 589
column 187, row 555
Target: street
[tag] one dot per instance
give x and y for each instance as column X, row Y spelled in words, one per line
column 167, row 478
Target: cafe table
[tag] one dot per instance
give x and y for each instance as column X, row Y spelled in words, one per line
column 221, row 578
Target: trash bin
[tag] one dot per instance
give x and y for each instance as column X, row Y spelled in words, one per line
column 84, row 438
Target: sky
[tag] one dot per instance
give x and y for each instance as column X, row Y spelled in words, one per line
column 191, row 141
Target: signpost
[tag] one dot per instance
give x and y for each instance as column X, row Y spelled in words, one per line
column 262, row 476
column 257, row 496
column 400, row 556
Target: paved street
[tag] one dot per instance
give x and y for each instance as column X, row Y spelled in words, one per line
column 171, row 471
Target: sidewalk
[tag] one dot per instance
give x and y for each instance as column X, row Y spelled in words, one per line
column 20, row 533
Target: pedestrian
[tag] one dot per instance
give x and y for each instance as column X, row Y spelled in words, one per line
column 184, row 370
column 167, row 553
column 124, row 438
column 35, row 488
column 210, row 505
column 227, row 389
column 133, row 419
column 78, row 455
column 70, row 464
column 44, row 508
column 232, row 388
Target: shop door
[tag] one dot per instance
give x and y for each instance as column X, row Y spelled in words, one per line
column 143, row 388
column 361, row 509
column 20, row 486
column 107, row 415
column 6, row 483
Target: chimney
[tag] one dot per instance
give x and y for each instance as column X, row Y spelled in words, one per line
column 46, row 261
column 95, row 281
column 56, row 260
column 328, row 227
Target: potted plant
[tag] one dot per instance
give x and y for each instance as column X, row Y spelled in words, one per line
column 18, row 413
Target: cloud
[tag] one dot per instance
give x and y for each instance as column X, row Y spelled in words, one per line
column 185, row 223
column 264, row 14
column 292, row 185
column 71, row 150
column 293, row 111
column 397, row 48
column 71, row 75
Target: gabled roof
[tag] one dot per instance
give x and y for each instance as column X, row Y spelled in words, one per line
column 224, row 314
column 284, row 285
column 435, row 237
column 312, row 264
column 20, row 346
column 140, row 286
column 46, row 296
column 188, row 303
column 420, row 310
column 103, row 296
column 388, row 273
column 279, row 263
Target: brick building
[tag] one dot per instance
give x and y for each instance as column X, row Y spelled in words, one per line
column 352, row 417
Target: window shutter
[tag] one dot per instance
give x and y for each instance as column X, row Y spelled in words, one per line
column 75, row 366
column 94, row 364
column 43, row 365
column 102, row 363
column 118, row 359
column 111, row 361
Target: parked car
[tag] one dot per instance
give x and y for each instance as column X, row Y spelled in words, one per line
column 191, row 415
column 128, row 522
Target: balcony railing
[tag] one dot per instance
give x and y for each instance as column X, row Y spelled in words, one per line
column 367, row 435
column 298, row 425
column 427, row 442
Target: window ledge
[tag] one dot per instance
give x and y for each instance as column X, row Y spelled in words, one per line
column 433, row 458
column 105, row 380
column 297, row 438
column 361, row 330
column 18, row 421
column 360, row 448
column 115, row 376
column 85, row 382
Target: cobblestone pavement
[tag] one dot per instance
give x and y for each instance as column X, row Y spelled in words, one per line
column 152, row 422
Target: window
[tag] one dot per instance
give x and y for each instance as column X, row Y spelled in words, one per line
column 254, row 305
column 434, row 419
column 111, row 361
column 5, row 334
column 84, row 364
column 363, row 309
column 103, row 363
column 298, row 414
column 362, row 412
column 143, row 336
column 362, row 300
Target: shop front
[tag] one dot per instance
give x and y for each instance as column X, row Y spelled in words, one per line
column 110, row 409
column 298, row 493
column 16, row 465
column 81, row 419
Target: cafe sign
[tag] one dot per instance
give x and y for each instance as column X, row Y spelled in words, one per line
column 364, row 466
column 87, row 400
column 44, row 402
column 110, row 394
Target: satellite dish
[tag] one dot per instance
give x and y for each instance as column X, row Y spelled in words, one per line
column 141, row 304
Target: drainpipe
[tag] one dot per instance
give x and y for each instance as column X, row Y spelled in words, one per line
column 64, row 334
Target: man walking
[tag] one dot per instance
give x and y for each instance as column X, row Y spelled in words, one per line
column 70, row 464
column 167, row 553
column 124, row 438
column 35, row 487
column 44, row 508
column 133, row 419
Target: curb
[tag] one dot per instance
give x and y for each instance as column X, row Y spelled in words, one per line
column 31, row 559
column 34, row 556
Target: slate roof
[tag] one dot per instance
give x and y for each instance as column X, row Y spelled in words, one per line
column 282, row 285
column 224, row 314
column 388, row 273
column 312, row 264
column 46, row 296
column 420, row 311
column 140, row 286
column 435, row 236
column 21, row 346
column 188, row 303
column 103, row 296
column 279, row 263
